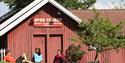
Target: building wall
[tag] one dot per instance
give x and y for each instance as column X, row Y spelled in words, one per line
column 25, row 38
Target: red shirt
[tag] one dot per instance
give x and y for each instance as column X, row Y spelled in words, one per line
column 9, row 59
column 58, row 59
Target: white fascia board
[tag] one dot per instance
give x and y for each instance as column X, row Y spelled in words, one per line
column 16, row 22
column 17, row 15
column 64, row 10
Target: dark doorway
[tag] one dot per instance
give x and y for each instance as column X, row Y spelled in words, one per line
column 3, row 42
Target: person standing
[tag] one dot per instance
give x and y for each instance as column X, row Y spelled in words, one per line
column 38, row 58
column 8, row 57
column 59, row 58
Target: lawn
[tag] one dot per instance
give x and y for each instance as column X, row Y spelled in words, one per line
column 3, row 62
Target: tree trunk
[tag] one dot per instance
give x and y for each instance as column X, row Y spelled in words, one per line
column 96, row 57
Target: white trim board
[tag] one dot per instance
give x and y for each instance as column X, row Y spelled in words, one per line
column 30, row 9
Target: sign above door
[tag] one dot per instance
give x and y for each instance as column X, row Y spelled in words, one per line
column 47, row 22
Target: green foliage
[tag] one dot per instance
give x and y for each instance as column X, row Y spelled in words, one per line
column 101, row 34
column 16, row 4
column 72, row 4
column 119, row 4
column 9, row 2
column 73, row 39
column 76, row 4
column 75, row 53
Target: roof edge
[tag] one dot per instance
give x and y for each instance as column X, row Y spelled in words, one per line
column 18, row 14
column 9, row 24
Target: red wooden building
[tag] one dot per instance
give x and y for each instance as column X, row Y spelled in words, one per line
column 47, row 25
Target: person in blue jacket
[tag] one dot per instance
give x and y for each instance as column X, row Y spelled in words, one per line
column 38, row 58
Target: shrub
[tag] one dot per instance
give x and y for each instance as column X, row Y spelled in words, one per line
column 75, row 53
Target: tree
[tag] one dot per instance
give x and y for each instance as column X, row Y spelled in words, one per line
column 119, row 4
column 72, row 4
column 16, row 4
column 100, row 34
column 77, row 4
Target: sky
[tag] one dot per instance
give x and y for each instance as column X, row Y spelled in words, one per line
column 3, row 8
column 100, row 4
column 104, row 4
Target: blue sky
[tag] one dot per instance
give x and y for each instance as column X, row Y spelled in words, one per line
column 100, row 4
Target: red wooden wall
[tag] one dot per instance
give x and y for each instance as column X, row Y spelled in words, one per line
column 25, row 38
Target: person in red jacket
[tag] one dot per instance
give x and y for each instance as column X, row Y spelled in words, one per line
column 8, row 57
column 59, row 58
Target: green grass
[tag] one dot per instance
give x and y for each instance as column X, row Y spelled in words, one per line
column 3, row 62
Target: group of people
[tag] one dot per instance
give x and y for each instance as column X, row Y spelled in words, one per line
column 37, row 57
